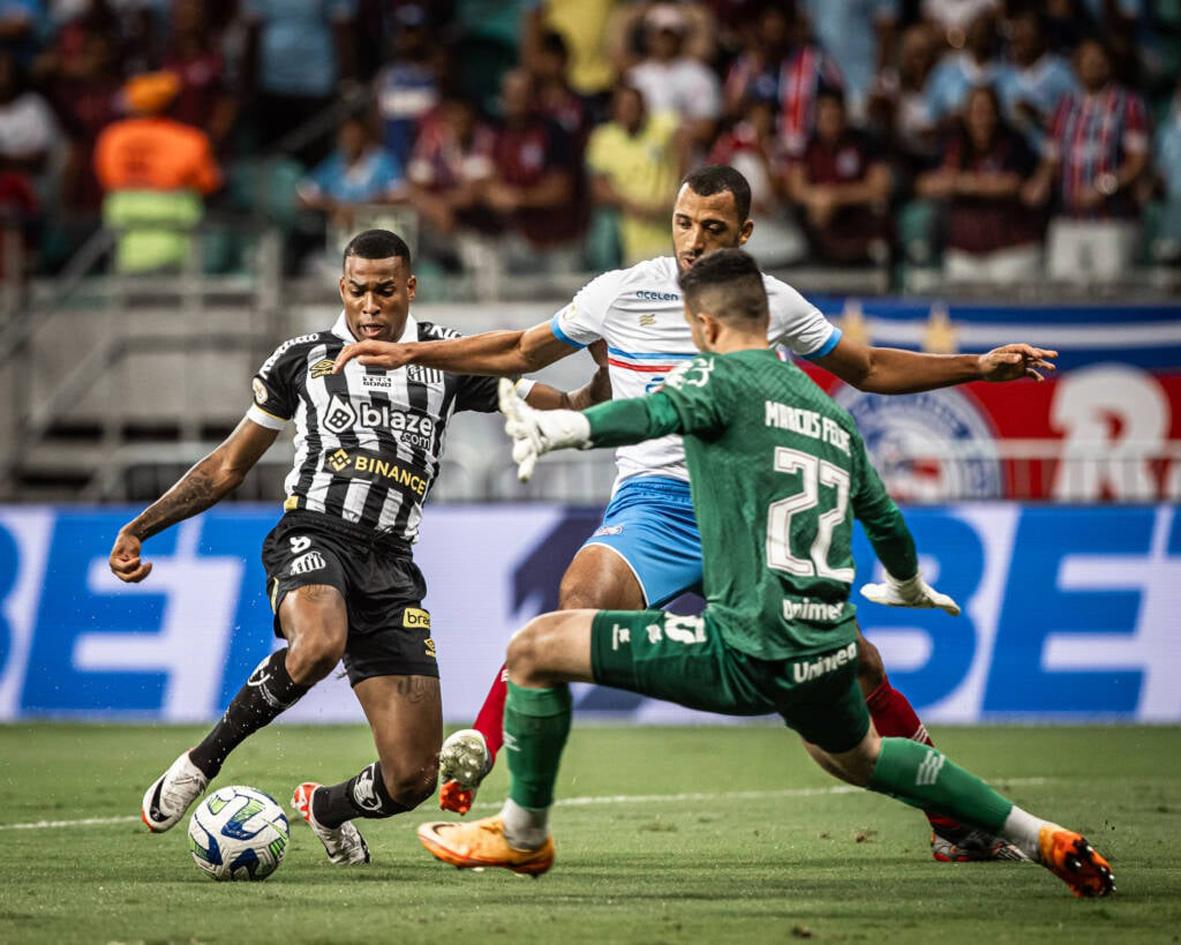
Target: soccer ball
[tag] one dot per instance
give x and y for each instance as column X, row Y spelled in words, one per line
column 238, row 833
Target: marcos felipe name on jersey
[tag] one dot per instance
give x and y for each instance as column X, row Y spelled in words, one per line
column 368, row 441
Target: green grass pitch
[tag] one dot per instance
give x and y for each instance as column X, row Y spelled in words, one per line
column 722, row 834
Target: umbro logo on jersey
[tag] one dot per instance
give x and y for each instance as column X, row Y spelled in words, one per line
column 322, row 368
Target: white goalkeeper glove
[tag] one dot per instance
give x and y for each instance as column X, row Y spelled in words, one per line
column 535, row 432
column 912, row 593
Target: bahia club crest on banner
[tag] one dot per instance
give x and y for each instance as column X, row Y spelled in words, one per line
column 1106, row 426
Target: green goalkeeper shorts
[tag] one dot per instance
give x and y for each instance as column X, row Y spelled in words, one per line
column 686, row 660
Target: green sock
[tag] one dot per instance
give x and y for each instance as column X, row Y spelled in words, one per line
column 536, row 723
column 923, row 777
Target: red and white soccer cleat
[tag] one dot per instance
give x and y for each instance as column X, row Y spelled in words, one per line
column 344, row 844
column 464, row 761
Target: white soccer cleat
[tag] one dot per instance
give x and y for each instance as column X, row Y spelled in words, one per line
column 344, row 844
column 171, row 794
column 464, row 760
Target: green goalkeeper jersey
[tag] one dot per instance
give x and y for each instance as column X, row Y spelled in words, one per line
column 778, row 472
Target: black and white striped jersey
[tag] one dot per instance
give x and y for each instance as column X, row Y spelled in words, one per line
column 367, row 441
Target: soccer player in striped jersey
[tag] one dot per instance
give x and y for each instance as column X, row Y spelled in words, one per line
column 778, row 473
column 648, row 551
column 341, row 578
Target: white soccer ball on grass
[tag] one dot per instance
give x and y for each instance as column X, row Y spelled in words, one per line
column 238, row 833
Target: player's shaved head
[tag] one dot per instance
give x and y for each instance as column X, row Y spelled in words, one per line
column 728, row 285
column 377, row 244
column 721, row 178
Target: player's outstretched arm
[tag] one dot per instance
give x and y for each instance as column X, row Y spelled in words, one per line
column 496, row 353
column 895, row 371
column 595, row 391
column 204, row 485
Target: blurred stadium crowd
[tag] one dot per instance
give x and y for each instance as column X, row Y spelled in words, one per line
column 1001, row 141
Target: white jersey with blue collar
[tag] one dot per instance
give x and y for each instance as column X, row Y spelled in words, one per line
column 638, row 312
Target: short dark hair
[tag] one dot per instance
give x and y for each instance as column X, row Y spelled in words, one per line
column 377, row 244
column 718, row 178
column 554, row 43
column 734, row 281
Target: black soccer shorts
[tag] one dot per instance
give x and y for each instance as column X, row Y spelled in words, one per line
column 389, row 631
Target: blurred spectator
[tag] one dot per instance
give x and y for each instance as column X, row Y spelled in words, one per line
column 535, row 183
column 85, row 89
column 899, row 107
column 992, row 237
column 752, row 147
column 957, row 74
column 635, row 161
column 582, row 24
column 953, row 18
column 360, row 171
column 155, row 172
column 1037, row 81
column 842, row 189
column 672, row 81
column 778, row 68
column 629, row 27
column 408, row 87
column 449, row 167
column 489, row 38
column 1096, row 152
column 136, row 28
column 555, row 99
column 1067, row 23
column 18, row 218
column 300, row 50
column 20, row 26
column 859, row 34
column 193, row 57
column 27, row 128
column 1168, row 241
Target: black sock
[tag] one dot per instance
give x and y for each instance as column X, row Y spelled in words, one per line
column 363, row 795
column 267, row 692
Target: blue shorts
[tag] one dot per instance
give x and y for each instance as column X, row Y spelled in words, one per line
column 650, row 524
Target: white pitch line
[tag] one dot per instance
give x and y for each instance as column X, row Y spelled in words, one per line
column 83, row 822
column 589, row 801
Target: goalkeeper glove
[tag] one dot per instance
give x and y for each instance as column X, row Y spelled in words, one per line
column 914, row 592
column 535, row 432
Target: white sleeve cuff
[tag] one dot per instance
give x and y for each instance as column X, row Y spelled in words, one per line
column 524, row 386
column 268, row 420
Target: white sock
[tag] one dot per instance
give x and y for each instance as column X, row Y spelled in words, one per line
column 1022, row 830
column 524, row 827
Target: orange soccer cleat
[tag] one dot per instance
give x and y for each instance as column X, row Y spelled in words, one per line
column 483, row 843
column 1068, row 856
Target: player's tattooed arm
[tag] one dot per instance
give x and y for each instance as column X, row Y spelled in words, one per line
column 595, row 391
column 212, row 478
column 895, row 371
